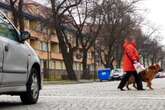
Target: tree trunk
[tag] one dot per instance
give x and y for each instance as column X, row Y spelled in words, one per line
column 86, row 74
column 21, row 17
column 148, row 63
column 109, row 65
column 119, row 62
column 14, row 15
column 17, row 14
column 152, row 60
column 68, row 58
column 48, row 59
column 144, row 61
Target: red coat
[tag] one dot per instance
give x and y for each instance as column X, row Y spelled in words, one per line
column 130, row 54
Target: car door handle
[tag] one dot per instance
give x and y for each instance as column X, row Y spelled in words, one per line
column 6, row 48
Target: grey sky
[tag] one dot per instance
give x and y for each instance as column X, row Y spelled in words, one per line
column 155, row 14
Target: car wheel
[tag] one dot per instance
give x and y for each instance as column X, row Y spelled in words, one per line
column 32, row 93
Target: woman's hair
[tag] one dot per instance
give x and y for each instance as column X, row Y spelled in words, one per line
column 130, row 37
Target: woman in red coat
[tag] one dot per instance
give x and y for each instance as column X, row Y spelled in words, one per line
column 131, row 56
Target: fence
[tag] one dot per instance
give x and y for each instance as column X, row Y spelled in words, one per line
column 54, row 74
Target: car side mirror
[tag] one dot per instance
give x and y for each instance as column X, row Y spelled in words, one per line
column 24, row 36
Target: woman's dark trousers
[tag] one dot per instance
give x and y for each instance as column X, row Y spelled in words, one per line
column 126, row 78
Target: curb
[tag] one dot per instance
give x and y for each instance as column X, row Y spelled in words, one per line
column 67, row 82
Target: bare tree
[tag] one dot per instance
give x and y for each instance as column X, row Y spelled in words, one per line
column 148, row 44
column 59, row 14
column 117, row 22
column 20, row 15
column 153, row 51
column 17, row 12
column 87, row 20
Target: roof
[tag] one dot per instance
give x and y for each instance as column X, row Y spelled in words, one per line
column 36, row 9
column 31, row 9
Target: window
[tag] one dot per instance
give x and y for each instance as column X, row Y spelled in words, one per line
column 26, row 21
column 60, row 50
column 44, row 28
column 33, row 24
column 58, row 66
column 51, row 31
column 7, row 30
column 5, row 11
column 36, row 44
column 91, row 67
column 89, row 55
column 44, row 46
column 38, row 26
column 62, row 65
column 54, row 48
column 42, row 65
column 52, row 64
column 32, row 43
column 76, row 66
column 79, row 67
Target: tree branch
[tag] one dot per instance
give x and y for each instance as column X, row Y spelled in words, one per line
column 70, row 6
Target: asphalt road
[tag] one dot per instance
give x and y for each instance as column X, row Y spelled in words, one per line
column 92, row 96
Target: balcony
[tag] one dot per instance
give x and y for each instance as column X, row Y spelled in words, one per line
column 42, row 54
column 35, row 34
column 90, row 61
column 42, row 36
column 77, row 60
column 57, row 56
column 54, row 39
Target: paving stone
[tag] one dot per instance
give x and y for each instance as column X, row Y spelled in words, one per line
column 92, row 96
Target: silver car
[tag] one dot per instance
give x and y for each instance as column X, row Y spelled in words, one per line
column 19, row 64
column 117, row 73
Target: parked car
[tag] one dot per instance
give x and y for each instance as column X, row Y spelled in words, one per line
column 117, row 74
column 19, row 64
column 160, row 75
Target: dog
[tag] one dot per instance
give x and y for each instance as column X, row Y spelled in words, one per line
column 147, row 76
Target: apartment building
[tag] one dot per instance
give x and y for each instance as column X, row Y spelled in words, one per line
column 44, row 41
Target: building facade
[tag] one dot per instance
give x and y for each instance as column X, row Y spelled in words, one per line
column 45, row 42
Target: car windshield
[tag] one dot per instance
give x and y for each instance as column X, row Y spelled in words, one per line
column 4, row 22
column 3, row 18
column 6, row 28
